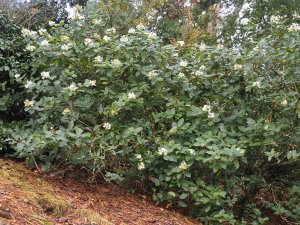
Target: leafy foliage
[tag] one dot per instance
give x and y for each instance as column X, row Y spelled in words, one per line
column 14, row 61
column 209, row 127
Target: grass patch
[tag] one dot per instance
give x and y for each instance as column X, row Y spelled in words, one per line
column 52, row 205
column 93, row 217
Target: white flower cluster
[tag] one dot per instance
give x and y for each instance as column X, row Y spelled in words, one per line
column 51, row 23
column 89, row 83
column 131, row 31
column 256, row 84
column 98, row 59
column 107, row 126
column 241, row 151
column 131, row 96
column 124, row 39
column 28, row 33
column 183, row 166
column 66, row 47
column 162, row 151
column 152, row 36
column 152, row 73
column 116, row 63
column 237, row 67
column 200, row 71
column 294, row 27
column 207, row 108
column 88, row 42
column 45, row 75
column 187, row 4
column 74, row 13
column 42, row 31
column 64, row 38
column 202, row 47
column 44, row 43
column 284, row 102
column 181, row 75
column 192, row 151
column 73, row 87
column 275, row 19
column 181, row 43
column 140, row 27
column 97, row 21
column 30, row 48
column 110, row 30
column 29, row 84
column 106, row 38
column 244, row 21
column 220, row 46
column 66, row 111
column 141, row 164
column 28, row 103
column 183, row 63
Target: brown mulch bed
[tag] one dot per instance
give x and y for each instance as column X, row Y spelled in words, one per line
column 28, row 197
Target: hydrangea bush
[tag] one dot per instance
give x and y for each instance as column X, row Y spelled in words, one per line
column 210, row 127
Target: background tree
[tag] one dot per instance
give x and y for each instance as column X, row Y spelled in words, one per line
column 37, row 13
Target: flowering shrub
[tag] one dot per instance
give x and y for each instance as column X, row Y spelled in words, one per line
column 208, row 126
column 14, row 61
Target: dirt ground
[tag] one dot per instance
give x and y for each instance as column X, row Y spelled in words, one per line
column 28, row 197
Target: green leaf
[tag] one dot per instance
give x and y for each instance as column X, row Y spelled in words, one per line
column 173, row 130
column 183, row 196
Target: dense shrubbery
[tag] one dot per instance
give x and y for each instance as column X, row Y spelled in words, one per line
column 14, row 61
column 212, row 128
